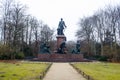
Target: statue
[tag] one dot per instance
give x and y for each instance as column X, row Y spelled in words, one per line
column 76, row 50
column 78, row 47
column 61, row 27
column 44, row 48
column 62, row 48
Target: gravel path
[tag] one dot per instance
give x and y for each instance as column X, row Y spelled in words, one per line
column 62, row 71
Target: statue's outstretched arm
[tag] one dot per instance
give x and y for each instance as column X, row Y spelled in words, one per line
column 65, row 25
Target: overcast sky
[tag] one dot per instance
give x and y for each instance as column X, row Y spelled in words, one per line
column 50, row 11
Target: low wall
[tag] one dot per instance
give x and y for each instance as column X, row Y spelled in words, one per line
column 61, row 57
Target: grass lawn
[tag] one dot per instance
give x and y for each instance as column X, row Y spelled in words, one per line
column 22, row 70
column 100, row 70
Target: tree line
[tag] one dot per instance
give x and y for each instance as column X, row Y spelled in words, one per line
column 20, row 33
column 100, row 33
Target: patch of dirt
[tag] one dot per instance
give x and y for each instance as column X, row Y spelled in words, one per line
column 2, row 72
column 10, row 61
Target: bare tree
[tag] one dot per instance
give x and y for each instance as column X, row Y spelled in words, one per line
column 46, row 34
column 86, row 30
column 102, row 27
column 18, row 25
column 6, row 6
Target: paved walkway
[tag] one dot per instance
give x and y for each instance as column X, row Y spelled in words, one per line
column 62, row 71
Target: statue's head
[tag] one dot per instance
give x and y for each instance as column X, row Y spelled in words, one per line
column 78, row 41
column 61, row 19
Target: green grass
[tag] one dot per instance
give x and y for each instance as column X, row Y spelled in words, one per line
column 22, row 70
column 100, row 71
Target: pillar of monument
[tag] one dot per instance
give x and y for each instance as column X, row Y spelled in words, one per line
column 60, row 39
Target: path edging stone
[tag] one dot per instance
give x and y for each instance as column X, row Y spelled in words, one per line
column 44, row 73
column 81, row 72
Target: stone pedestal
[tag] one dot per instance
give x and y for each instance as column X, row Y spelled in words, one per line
column 60, row 39
column 61, row 57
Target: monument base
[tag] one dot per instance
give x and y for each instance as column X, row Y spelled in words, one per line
column 61, row 57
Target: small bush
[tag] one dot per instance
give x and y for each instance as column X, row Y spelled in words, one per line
column 4, row 57
column 103, row 58
column 20, row 55
column 5, row 52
